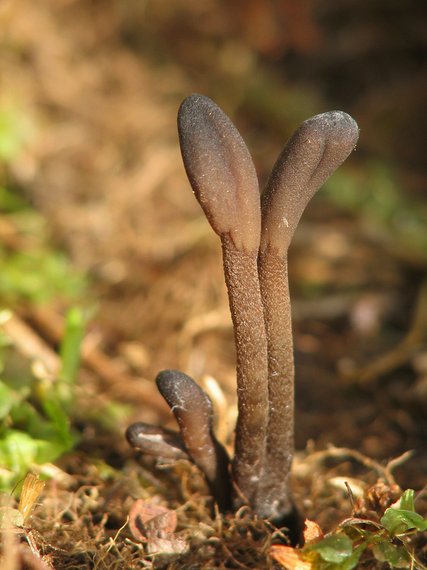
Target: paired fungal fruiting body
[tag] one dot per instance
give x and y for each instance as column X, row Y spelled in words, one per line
column 255, row 231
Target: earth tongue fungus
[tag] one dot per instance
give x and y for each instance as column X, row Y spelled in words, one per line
column 255, row 233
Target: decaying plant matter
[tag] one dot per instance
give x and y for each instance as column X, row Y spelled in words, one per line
column 255, row 234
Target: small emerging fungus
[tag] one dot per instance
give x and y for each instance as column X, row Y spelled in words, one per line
column 193, row 412
column 157, row 441
column 255, row 234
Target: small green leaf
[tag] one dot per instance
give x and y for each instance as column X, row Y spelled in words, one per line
column 18, row 450
column 396, row 556
column 336, row 548
column 70, row 351
column 407, row 501
column 61, row 423
column 7, row 399
column 353, row 560
column 25, row 417
column 399, row 521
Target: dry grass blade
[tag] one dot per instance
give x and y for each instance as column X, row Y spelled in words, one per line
column 31, row 491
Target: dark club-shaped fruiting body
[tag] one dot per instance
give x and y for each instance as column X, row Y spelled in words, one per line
column 193, row 412
column 255, row 232
column 311, row 155
column 223, row 177
column 156, row 441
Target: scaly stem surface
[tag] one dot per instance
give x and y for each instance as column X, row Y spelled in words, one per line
column 274, row 492
column 241, row 276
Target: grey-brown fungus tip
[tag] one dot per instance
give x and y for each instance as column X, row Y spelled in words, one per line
column 156, row 441
column 316, row 149
column 193, row 411
column 338, row 123
column 220, row 170
column 184, row 395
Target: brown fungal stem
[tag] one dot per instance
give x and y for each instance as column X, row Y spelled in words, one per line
column 312, row 154
column 223, row 177
column 157, row 441
column 193, row 412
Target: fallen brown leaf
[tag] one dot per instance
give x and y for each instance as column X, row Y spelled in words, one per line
column 154, row 525
column 288, row 557
column 312, row 532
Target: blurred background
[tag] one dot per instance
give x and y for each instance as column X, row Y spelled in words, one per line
column 96, row 210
